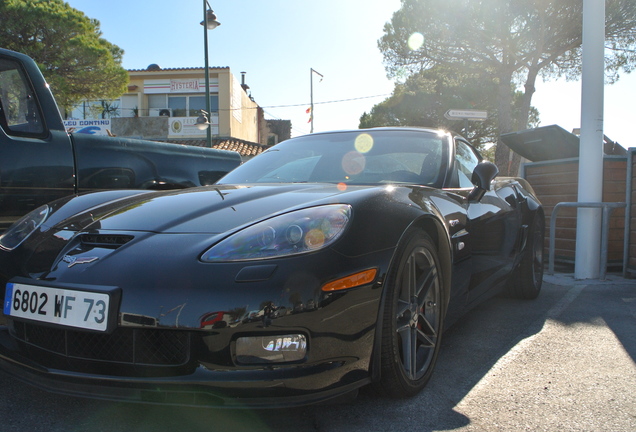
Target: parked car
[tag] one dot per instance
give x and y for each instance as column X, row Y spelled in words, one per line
column 331, row 277
column 40, row 161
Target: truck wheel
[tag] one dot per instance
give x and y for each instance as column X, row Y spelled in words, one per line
column 413, row 317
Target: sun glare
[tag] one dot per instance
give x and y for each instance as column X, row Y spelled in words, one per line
column 353, row 163
column 416, row 40
column 364, row 143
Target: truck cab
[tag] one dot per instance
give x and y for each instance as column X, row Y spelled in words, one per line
column 40, row 161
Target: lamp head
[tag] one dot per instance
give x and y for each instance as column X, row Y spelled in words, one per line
column 210, row 17
column 202, row 121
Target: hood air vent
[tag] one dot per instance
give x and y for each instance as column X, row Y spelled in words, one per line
column 105, row 240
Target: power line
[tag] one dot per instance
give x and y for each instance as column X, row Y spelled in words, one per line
column 274, row 117
column 303, row 132
column 326, row 102
column 305, row 104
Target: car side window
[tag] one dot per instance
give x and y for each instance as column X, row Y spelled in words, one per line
column 466, row 160
column 19, row 114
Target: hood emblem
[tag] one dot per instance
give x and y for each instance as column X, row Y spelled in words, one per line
column 71, row 260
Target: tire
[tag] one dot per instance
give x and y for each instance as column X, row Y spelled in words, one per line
column 413, row 317
column 526, row 282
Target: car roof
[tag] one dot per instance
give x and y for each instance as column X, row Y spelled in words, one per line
column 393, row 128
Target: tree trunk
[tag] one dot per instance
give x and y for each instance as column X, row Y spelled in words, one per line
column 505, row 125
column 524, row 112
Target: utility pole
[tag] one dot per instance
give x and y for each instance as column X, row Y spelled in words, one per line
column 311, row 93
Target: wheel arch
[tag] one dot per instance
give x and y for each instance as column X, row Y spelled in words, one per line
column 438, row 233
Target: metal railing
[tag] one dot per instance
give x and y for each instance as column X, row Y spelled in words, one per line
column 607, row 210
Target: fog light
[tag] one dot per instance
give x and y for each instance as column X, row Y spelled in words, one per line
column 271, row 349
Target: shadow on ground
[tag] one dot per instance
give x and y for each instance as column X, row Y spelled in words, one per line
column 469, row 350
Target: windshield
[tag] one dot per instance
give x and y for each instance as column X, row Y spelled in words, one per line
column 357, row 157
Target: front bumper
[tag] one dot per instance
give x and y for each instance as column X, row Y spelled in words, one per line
column 202, row 368
column 266, row 387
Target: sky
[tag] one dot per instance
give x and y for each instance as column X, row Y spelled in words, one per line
column 278, row 42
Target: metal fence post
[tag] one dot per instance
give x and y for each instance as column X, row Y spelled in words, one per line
column 607, row 210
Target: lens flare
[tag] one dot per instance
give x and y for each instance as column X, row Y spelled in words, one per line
column 416, row 40
column 314, row 239
column 342, row 187
column 353, row 163
column 364, row 143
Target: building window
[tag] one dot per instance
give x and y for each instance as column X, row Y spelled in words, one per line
column 197, row 103
column 178, row 105
column 182, row 106
column 157, row 101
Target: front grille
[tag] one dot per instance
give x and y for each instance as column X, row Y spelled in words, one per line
column 144, row 347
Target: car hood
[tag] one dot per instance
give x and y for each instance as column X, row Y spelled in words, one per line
column 209, row 210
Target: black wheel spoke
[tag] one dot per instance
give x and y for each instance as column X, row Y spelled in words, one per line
column 403, row 307
column 417, row 315
column 415, row 318
column 413, row 371
column 427, row 329
column 407, row 349
column 411, row 276
column 426, row 282
column 403, row 328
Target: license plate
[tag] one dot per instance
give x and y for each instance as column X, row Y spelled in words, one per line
column 81, row 309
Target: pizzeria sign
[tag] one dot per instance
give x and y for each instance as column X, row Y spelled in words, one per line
column 163, row 86
column 181, row 85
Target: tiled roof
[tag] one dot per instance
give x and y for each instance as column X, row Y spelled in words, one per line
column 176, row 69
column 244, row 148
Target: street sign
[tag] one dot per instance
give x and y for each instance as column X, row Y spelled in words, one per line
column 467, row 114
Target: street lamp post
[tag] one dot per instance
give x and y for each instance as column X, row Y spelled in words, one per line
column 209, row 23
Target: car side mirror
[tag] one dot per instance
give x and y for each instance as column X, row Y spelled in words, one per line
column 483, row 174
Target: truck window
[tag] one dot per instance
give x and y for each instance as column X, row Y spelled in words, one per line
column 19, row 114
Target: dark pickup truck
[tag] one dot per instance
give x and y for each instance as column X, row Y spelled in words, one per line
column 40, row 161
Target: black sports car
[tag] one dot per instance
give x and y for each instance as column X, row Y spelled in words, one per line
column 331, row 261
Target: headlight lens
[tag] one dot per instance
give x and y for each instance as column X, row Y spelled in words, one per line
column 293, row 233
column 23, row 228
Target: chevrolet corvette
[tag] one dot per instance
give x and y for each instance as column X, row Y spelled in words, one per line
column 330, row 262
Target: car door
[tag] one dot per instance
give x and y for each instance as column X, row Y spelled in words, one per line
column 493, row 223
column 36, row 161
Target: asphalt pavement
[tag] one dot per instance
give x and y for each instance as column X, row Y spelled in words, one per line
column 574, row 371
column 563, row 362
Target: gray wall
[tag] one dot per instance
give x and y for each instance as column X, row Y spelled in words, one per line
column 140, row 127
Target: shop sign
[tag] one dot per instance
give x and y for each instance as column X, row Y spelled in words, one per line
column 180, row 127
column 163, row 86
column 88, row 126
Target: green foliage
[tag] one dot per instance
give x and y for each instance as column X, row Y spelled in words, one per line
column 105, row 109
column 516, row 35
column 67, row 46
column 424, row 97
column 515, row 42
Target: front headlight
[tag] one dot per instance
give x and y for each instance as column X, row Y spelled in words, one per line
column 293, row 233
column 23, row 228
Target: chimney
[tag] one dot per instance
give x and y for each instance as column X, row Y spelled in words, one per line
column 245, row 86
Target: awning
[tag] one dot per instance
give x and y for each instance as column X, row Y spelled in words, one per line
column 550, row 143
